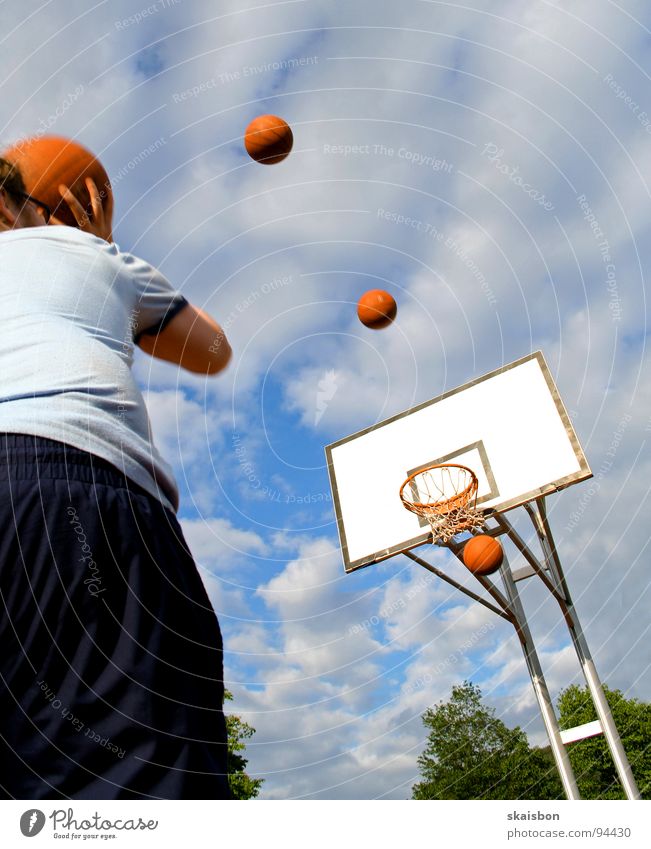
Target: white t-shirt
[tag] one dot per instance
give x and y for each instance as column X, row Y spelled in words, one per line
column 71, row 307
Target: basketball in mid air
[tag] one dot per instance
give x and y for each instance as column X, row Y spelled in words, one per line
column 46, row 162
column 376, row 309
column 483, row 554
column 268, row 139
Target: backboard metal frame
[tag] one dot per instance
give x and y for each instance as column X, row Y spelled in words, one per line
column 583, row 472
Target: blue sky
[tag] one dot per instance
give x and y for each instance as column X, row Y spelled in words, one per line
column 334, row 671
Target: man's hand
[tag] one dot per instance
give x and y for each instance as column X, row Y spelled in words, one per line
column 97, row 224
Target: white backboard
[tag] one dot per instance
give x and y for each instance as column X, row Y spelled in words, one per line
column 510, row 427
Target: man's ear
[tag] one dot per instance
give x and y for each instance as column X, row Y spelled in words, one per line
column 6, row 210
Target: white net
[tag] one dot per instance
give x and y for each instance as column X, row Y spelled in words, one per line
column 446, row 496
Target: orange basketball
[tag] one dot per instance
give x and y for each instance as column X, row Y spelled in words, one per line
column 46, row 162
column 268, row 139
column 483, row 555
column 376, row 309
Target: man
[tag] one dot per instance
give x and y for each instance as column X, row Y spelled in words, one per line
column 111, row 674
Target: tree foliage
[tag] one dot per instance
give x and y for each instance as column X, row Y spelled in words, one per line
column 241, row 784
column 471, row 754
column 590, row 758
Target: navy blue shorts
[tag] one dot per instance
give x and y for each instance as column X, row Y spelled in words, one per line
column 111, row 669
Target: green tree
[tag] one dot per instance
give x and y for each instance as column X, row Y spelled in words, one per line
column 471, row 754
column 590, row 758
column 242, row 785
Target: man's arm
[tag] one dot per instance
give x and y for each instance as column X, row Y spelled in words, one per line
column 193, row 340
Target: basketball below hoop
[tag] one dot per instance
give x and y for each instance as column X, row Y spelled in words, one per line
column 446, row 496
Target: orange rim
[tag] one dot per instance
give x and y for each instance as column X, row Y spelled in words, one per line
column 446, row 505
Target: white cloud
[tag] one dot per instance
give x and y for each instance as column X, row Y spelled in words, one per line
column 211, row 539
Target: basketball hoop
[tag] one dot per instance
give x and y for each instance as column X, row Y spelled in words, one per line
column 445, row 495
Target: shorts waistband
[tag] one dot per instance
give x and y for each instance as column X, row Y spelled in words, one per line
column 29, row 457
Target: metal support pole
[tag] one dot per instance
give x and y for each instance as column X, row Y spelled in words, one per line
column 539, row 685
column 529, row 556
column 622, row 765
column 455, row 584
column 515, row 613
